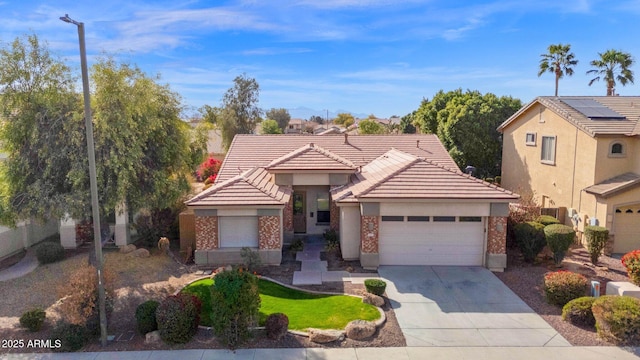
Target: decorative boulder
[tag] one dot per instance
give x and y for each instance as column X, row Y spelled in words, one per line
column 360, row 329
column 152, row 337
column 372, row 299
column 127, row 248
column 325, row 336
column 141, row 253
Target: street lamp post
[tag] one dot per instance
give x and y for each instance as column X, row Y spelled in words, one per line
column 92, row 177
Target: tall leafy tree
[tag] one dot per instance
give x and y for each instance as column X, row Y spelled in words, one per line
column 317, row 119
column 559, row 60
column 210, row 114
column 38, row 133
column 270, row 127
column 406, row 124
column 466, row 124
column 344, row 119
column 142, row 146
column 281, row 116
column 370, row 126
column 612, row 66
column 240, row 111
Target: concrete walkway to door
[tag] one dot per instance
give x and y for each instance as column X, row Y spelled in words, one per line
column 462, row 306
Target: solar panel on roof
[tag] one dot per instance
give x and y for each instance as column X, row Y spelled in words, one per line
column 592, row 109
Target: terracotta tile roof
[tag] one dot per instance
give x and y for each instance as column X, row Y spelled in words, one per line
column 253, row 187
column 248, row 151
column 311, row 157
column 399, row 175
column 615, row 185
column 627, row 106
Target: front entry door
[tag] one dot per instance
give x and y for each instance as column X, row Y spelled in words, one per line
column 299, row 212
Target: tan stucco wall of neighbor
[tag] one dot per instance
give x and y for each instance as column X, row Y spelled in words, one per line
column 497, row 235
column 523, row 171
column 612, row 165
column 207, row 232
column 269, row 232
column 369, row 232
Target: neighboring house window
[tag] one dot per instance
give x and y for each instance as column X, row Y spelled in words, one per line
column 548, row 152
column 393, row 218
column 290, row 126
column 322, row 201
column 617, row 149
column 531, row 139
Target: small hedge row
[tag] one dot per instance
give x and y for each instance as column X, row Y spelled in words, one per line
column 562, row 286
column 618, row 319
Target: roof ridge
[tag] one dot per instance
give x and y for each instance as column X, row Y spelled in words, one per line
column 390, row 175
column 307, row 148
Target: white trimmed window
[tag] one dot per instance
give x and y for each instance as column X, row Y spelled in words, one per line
column 531, row 139
column 548, row 151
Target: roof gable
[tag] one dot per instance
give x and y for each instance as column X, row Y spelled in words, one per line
column 400, row 175
column 311, row 157
column 253, row 187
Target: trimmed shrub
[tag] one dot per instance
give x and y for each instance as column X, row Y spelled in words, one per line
column 560, row 287
column 618, row 319
column 375, row 286
column 146, row 317
column 530, row 239
column 178, row 317
column 72, row 336
column 596, row 237
column 251, row 259
column 49, row 252
column 559, row 239
column 331, row 237
column 276, row 326
column 33, row 319
column 631, row 262
column 578, row 311
column 237, row 302
column 547, row 220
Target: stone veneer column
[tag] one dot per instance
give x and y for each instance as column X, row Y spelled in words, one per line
column 334, row 216
column 206, row 232
column 287, row 215
column 496, row 242
column 269, row 232
column 369, row 234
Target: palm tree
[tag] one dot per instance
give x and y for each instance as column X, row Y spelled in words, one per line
column 559, row 61
column 612, row 66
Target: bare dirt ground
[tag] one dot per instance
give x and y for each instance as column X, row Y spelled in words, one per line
column 138, row 280
column 526, row 280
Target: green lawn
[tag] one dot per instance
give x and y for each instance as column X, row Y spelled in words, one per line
column 305, row 310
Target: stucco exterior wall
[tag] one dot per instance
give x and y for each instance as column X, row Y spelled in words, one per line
column 454, row 208
column 613, row 165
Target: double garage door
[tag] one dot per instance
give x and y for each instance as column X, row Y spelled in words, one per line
column 423, row 240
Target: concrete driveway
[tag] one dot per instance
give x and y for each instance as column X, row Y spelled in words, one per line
column 462, row 306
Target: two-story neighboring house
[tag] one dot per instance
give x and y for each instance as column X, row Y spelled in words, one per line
column 579, row 153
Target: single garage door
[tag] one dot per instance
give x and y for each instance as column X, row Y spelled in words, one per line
column 627, row 229
column 238, row 231
column 432, row 240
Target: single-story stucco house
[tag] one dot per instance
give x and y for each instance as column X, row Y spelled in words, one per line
column 394, row 199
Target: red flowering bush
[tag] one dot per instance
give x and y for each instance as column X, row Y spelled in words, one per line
column 631, row 262
column 211, row 179
column 562, row 286
column 208, row 168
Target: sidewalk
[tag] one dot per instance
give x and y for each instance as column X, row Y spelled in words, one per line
column 28, row 263
column 404, row 353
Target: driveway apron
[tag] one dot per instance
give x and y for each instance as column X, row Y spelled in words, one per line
column 462, row 306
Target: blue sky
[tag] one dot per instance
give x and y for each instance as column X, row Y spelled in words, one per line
column 364, row 56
